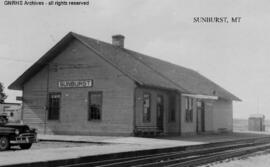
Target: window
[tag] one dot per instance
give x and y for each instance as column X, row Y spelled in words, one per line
column 95, row 106
column 54, row 106
column 189, row 109
column 172, row 108
column 146, row 107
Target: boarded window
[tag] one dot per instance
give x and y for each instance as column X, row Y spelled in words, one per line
column 172, row 108
column 54, row 106
column 95, row 106
column 189, row 109
column 146, row 107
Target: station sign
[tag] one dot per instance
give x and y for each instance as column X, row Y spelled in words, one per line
column 75, row 84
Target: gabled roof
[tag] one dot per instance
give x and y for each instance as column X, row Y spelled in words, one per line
column 144, row 70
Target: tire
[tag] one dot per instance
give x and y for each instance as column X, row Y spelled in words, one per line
column 4, row 143
column 25, row 146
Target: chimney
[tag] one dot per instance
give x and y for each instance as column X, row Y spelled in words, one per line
column 118, row 40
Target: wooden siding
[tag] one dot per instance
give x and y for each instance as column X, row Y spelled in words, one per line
column 222, row 115
column 76, row 62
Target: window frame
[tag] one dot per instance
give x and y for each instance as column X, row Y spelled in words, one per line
column 49, row 118
column 89, row 103
column 150, row 103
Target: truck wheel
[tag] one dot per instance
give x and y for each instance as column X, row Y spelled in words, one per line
column 4, row 143
column 26, row 146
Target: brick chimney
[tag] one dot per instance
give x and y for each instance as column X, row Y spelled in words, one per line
column 118, row 40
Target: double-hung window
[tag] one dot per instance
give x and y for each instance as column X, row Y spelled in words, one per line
column 54, row 106
column 95, row 106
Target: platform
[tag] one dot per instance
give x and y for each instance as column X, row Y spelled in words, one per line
column 110, row 145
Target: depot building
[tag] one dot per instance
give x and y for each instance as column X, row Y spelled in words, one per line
column 84, row 86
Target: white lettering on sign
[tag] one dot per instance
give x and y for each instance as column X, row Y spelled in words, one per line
column 75, row 84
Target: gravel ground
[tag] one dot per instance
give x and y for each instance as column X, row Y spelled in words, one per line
column 258, row 159
column 48, row 144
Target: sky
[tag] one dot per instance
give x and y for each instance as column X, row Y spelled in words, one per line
column 234, row 55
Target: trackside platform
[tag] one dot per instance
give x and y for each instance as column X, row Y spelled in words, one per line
column 106, row 145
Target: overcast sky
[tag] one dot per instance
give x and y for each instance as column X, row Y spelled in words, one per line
column 234, row 55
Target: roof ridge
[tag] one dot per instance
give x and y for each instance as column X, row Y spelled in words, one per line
column 107, row 43
column 152, row 71
column 129, row 52
column 126, row 51
column 160, row 60
column 103, row 57
column 179, row 66
column 76, row 34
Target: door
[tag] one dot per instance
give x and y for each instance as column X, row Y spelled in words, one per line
column 200, row 119
column 203, row 117
column 160, row 112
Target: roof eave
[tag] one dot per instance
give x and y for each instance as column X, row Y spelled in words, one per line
column 162, row 88
column 237, row 99
column 14, row 86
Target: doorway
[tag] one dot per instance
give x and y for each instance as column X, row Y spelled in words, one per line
column 160, row 112
column 200, row 120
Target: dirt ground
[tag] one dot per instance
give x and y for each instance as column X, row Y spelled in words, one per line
column 258, row 159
